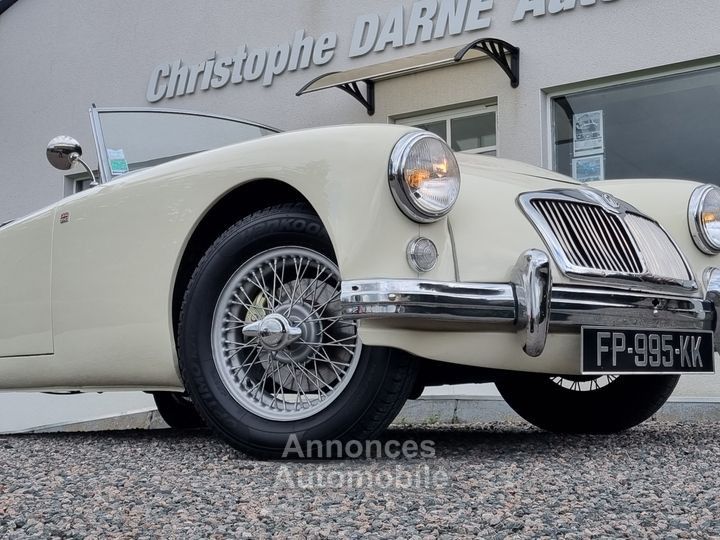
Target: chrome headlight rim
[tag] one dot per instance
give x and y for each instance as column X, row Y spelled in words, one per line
column 697, row 230
column 398, row 187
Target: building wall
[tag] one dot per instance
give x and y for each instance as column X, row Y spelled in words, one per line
column 56, row 58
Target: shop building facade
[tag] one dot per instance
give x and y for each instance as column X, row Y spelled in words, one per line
column 603, row 89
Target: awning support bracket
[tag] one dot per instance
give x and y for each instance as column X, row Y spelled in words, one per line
column 498, row 50
column 368, row 100
column 352, row 88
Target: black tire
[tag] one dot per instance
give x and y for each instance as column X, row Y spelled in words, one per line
column 177, row 410
column 373, row 395
column 623, row 403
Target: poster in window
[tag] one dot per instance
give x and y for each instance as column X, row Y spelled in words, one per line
column 589, row 169
column 118, row 163
column 588, row 133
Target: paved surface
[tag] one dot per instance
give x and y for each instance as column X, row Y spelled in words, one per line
column 427, row 410
column 491, row 480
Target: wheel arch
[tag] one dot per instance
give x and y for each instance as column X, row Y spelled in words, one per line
column 232, row 206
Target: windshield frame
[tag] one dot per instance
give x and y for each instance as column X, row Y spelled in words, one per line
column 104, row 162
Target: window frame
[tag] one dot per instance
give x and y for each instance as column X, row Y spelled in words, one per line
column 101, row 148
column 549, row 160
column 451, row 114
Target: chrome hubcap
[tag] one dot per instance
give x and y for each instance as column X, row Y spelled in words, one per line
column 274, row 332
column 279, row 343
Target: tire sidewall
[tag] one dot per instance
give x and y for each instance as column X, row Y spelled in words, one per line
column 239, row 426
column 176, row 411
column 622, row 404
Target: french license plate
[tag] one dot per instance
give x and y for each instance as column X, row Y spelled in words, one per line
column 621, row 350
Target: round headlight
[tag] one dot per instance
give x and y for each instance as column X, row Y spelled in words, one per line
column 424, row 176
column 704, row 218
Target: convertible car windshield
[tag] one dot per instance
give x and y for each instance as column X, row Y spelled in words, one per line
column 133, row 139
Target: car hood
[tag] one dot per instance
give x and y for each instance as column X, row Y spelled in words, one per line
column 486, row 167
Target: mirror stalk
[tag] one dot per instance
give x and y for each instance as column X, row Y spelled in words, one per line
column 75, row 157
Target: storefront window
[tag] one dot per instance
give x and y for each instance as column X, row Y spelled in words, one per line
column 666, row 127
column 472, row 129
column 438, row 128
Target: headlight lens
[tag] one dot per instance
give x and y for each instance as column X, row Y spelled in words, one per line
column 424, row 176
column 704, row 218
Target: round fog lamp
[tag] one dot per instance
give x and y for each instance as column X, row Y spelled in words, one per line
column 422, row 254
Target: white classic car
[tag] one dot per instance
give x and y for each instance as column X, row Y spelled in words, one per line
column 309, row 283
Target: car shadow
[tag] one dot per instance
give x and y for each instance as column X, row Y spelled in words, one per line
column 495, row 440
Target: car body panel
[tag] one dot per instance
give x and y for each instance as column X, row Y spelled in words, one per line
column 489, row 229
column 25, row 269
column 117, row 252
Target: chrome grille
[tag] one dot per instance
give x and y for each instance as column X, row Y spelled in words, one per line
column 596, row 241
column 591, row 237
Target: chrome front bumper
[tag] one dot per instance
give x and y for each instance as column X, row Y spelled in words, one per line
column 530, row 303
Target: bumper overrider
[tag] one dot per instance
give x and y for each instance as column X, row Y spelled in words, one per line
column 530, row 303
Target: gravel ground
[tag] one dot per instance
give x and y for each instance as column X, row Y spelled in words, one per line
column 661, row 480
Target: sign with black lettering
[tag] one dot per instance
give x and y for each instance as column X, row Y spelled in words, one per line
column 618, row 350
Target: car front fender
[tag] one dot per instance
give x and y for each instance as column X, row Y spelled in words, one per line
column 117, row 252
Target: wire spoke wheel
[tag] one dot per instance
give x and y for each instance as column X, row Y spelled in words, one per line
column 584, row 384
column 279, row 343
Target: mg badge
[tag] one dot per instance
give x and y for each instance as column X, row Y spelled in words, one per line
column 611, row 201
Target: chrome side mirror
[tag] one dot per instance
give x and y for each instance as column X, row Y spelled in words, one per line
column 63, row 152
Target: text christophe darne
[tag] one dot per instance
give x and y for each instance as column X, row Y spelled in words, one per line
column 423, row 20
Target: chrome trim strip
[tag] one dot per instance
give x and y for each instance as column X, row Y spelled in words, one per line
column 185, row 112
column 451, row 234
column 434, row 300
column 574, row 306
column 103, row 163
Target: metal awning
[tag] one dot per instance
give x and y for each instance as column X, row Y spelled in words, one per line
column 507, row 56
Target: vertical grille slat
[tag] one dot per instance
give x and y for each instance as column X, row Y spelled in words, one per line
column 589, row 232
column 596, row 240
column 585, row 253
column 561, row 232
column 648, row 235
column 603, row 231
column 570, row 245
column 625, row 244
column 615, row 237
